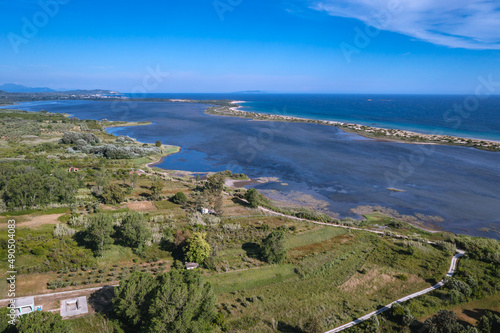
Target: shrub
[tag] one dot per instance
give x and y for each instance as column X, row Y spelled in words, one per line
column 179, row 198
column 62, row 230
column 273, row 247
column 74, row 137
column 113, row 194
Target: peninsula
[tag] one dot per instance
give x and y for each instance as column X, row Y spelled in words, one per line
column 377, row 133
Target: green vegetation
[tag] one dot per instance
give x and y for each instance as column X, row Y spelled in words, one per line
column 253, row 197
column 113, row 194
column 98, row 234
column 111, row 223
column 134, row 231
column 180, row 198
column 273, row 247
column 35, row 184
column 197, row 248
column 39, row 251
column 177, row 301
column 38, row 322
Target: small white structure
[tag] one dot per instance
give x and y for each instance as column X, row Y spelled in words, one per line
column 24, row 305
column 205, row 211
column 191, row 265
column 74, row 307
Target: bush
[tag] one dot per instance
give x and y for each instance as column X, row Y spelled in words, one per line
column 74, row 137
column 253, row 197
column 273, row 247
column 62, row 230
column 134, row 231
column 179, row 198
column 111, row 151
column 113, row 194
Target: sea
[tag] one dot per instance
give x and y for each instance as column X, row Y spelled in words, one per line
column 324, row 167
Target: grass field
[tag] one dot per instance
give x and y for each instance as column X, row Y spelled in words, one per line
column 331, row 273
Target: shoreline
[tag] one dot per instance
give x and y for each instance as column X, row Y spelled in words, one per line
column 232, row 108
column 159, row 159
column 154, row 164
column 370, row 132
column 127, row 124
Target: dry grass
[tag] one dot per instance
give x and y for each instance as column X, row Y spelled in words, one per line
column 472, row 311
column 380, row 279
column 141, row 206
column 35, row 221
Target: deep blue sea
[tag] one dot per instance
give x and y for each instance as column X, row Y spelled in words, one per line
column 458, row 115
column 339, row 170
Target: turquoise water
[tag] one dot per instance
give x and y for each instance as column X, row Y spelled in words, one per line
column 456, row 115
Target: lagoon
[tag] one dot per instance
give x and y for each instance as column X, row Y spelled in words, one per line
column 340, row 170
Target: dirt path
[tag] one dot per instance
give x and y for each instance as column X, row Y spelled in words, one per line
column 36, row 221
column 333, row 224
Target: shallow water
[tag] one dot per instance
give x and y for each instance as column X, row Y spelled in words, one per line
column 344, row 170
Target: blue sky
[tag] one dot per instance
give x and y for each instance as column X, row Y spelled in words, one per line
column 303, row 46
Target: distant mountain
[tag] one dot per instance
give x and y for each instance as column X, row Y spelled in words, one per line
column 249, row 92
column 17, row 88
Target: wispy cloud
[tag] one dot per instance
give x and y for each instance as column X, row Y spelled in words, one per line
column 470, row 24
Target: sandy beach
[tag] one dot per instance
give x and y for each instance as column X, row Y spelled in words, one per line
column 371, row 132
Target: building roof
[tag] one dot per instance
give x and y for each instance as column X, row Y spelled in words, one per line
column 191, row 265
column 74, row 307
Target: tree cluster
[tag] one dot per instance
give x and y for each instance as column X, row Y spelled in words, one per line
column 74, row 137
column 35, row 184
column 446, row 322
column 132, row 232
column 176, row 301
column 111, row 151
column 40, row 322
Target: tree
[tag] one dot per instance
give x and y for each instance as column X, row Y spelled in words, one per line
column 158, row 143
column 199, row 200
column 98, row 234
column 5, row 326
column 444, row 322
column 401, row 314
column 156, row 188
column 219, row 205
column 213, row 189
column 133, row 179
column 489, row 323
column 132, row 298
column 252, row 196
column 182, row 302
column 179, row 198
column 197, row 249
column 176, row 301
column 113, row 194
column 3, row 206
column 42, row 322
column 273, row 247
column 459, row 290
column 181, row 237
column 134, row 231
